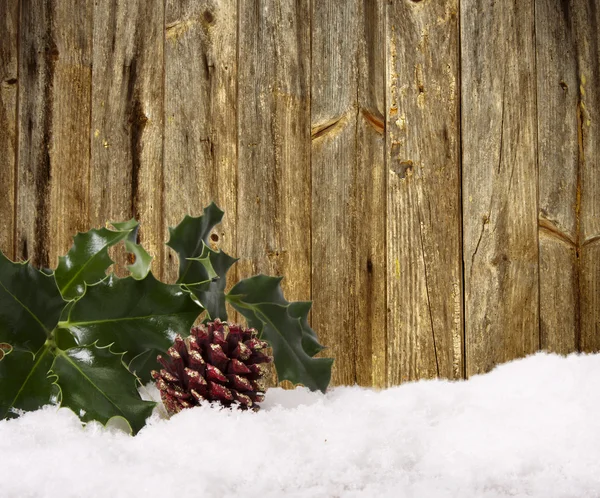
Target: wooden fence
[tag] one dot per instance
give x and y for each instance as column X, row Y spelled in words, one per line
column 427, row 171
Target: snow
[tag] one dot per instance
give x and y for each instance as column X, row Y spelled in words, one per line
column 529, row 428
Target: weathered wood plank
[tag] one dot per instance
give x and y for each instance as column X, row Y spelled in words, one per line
column 200, row 107
column 370, row 198
column 557, row 97
column 37, row 57
column 334, row 114
column 424, row 246
column 499, row 182
column 9, row 14
column 54, row 74
column 273, row 211
column 348, row 188
column 127, row 119
column 587, row 22
column 273, row 208
column 70, row 134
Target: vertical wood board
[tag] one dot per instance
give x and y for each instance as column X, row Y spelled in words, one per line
column 370, row 317
column 273, row 212
column 424, row 248
column 9, row 32
column 201, row 123
column 334, row 115
column 557, row 97
column 37, row 58
column 273, row 169
column 499, row 160
column 127, row 119
column 69, row 147
column 586, row 15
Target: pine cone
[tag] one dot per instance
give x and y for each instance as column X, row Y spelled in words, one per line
column 217, row 362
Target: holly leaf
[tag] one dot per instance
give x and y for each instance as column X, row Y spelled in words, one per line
column 212, row 293
column 285, row 327
column 24, row 382
column 266, row 289
column 30, row 305
column 141, row 266
column 135, row 315
column 189, row 238
column 144, row 363
column 310, row 343
column 88, row 259
column 95, row 383
column 284, row 335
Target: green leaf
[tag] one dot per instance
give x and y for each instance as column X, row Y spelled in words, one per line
column 141, row 266
column 95, row 384
column 144, row 363
column 310, row 343
column 284, row 335
column 212, row 294
column 24, row 382
column 203, row 269
column 88, row 259
column 135, row 315
column 265, row 289
column 285, row 327
column 30, row 305
column 189, row 238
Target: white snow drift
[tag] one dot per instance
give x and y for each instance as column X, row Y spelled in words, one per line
column 529, row 428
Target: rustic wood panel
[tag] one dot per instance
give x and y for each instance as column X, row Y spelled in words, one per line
column 330, row 134
column 424, row 248
column 557, row 97
column 201, row 123
column 37, row 57
column 499, row 149
column 273, row 111
column 370, row 317
column 586, row 14
column 9, row 32
column 53, row 153
column 334, row 115
column 70, row 134
column 127, row 119
column 273, row 211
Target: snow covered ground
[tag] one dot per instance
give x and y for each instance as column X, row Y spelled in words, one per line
column 529, row 428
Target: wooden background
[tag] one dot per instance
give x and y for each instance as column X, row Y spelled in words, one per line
column 427, row 171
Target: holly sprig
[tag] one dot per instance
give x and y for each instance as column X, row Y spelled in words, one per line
column 83, row 338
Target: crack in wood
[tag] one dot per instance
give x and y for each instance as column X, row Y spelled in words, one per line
column 550, row 229
column 376, row 121
column 177, row 29
column 591, row 240
column 437, row 365
column 322, row 129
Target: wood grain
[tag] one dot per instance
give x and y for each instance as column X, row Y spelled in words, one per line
column 53, row 153
column 37, row 58
column 557, row 97
column 586, row 15
column 273, row 211
column 70, row 134
column 273, row 208
column 9, row 32
column 329, row 133
column 334, row 115
column 370, row 320
column 201, row 122
column 348, row 188
column 499, row 182
column 127, row 119
column 423, row 220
